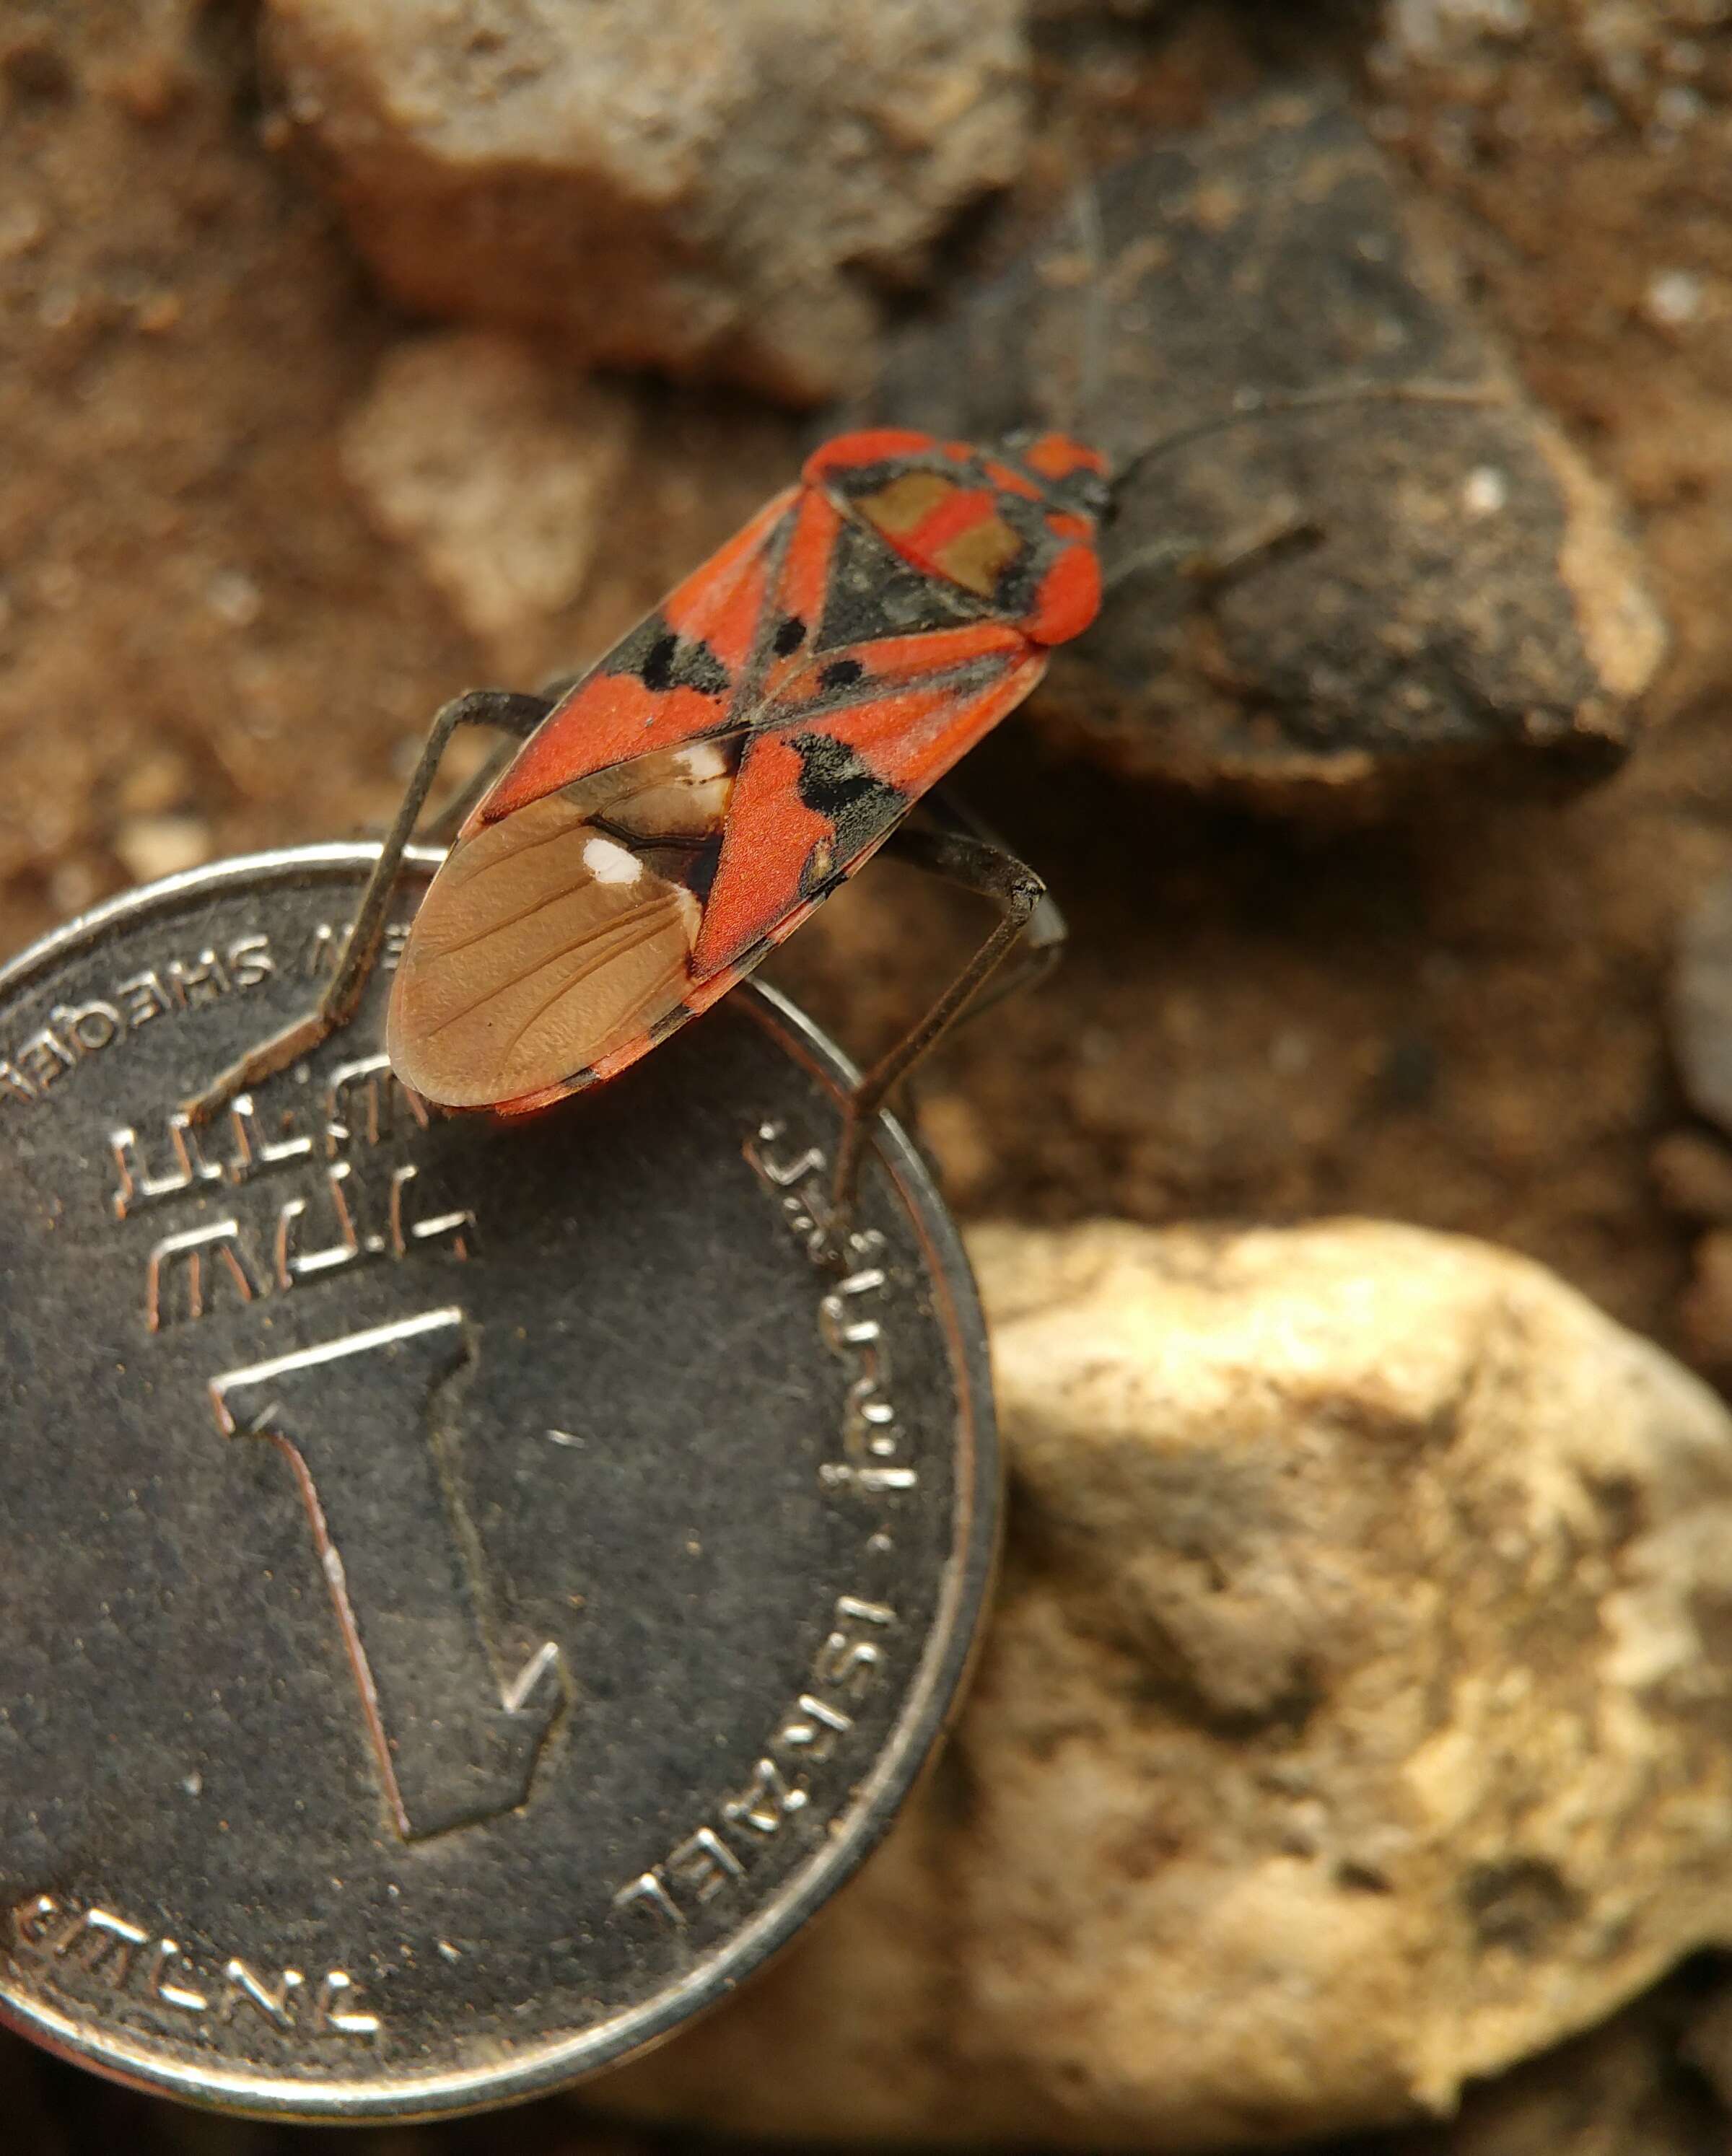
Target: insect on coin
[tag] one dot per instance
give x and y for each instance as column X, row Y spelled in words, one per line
column 685, row 805
column 471, row 1589
column 669, row 818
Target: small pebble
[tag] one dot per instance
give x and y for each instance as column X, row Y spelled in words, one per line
column 153, row 846
column 1674, row 298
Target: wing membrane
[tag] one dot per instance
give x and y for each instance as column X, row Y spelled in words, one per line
column 551, row 940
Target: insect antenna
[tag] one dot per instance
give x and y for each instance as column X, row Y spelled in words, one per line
column 1091, row 372
column 1250, row 405
column 1076, row 413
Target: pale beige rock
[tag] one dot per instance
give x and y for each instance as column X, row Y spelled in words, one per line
column 495, row 466
column 152, row 846
column 1355, row 1718
column 722, row 187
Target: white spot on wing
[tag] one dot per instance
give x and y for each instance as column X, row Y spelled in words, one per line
column 609, row 863
column 703, row 761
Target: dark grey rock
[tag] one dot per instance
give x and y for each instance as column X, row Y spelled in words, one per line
column 1455, row 588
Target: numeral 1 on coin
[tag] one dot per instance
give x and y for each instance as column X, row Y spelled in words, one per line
column 455, row 1736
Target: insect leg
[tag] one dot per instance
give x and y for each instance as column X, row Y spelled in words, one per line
column 1047, row 932
column 975, row 864
column 1199, row 563
column 440, row 830
column 1091, row 356
column 505, row 708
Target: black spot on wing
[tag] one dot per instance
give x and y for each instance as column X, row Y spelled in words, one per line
column 662, row 659
column 790, row 635
column 833, row 783
column 841, row 674
column 657, row 670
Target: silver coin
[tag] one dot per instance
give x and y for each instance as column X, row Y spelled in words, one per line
column 471, row 1589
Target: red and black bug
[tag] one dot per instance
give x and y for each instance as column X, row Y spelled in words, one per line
column 670, row 816
column 684, row 806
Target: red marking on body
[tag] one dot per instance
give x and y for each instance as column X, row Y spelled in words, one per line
column 871, row 445
column 959, row 512
column 891, row 659
column 905, row 727
column 1012, row 482
column 1069, row 597
column 1057, row 456
column 707, row 603
column 805, row 576
column 769, row 838
column 805, row 579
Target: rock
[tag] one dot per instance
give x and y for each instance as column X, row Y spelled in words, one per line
column 1352, row 1722
column 1408, row 588
column 1560, row 142
column 1702, row 1003
column 1693, row 1174
column 547, row 510
column 152, row 846
column 1616, row 2092
column 1705, row 1310
column 1708, row 2042
column 722, row 187
column 496, row 467
column 1048, row 15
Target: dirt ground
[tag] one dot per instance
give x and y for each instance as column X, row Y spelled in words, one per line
column 1456, row 1018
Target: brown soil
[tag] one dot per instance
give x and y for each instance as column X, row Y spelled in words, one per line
column 1456, row 1019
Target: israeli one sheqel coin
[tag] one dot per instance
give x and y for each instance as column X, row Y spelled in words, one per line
column 471, row 1589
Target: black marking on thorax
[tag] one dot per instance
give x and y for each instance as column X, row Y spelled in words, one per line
column 872, row 592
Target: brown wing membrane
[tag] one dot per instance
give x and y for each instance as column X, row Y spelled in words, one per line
column 552, row 938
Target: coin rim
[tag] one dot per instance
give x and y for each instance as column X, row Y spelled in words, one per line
column 929, row 1704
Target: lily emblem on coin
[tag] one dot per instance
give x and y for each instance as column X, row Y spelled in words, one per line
column 471, row 1590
